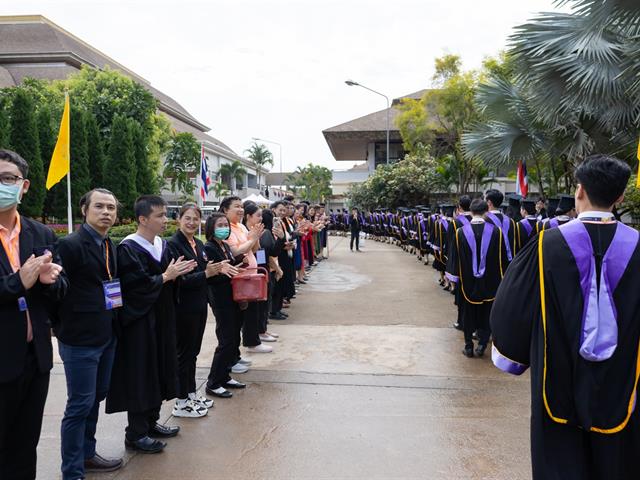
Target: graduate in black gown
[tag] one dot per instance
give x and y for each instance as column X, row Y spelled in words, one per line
column 441, row 240
column 529, row 226
column 494, row 199
column 476, row 265
column 579, row 332
column 463, row 216
column 565, row 212
column 145, row 370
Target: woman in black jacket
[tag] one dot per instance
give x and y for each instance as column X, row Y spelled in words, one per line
column 272, row 242
column 227, row 312
column 191, row 310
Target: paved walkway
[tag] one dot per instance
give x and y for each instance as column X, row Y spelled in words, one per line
column 367, row 382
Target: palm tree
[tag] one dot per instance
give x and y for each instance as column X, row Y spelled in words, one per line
column 220, row 189
column 234, row 172
column 575, row 90
column 260, row 156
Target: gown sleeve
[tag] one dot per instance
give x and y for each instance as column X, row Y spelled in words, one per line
column 140, row 288
column 515, row 311
column 452, row 271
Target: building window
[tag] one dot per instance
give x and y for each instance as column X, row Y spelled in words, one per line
column 396, row 152
column 252, row 181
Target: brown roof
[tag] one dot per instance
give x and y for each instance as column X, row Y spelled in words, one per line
column 36, row 47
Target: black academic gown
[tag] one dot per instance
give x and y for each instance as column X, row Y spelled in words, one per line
column 508, row 227
column 145, row 365
column 476, row 292
column 526, row 229
column 440, row 242
column 580, row 394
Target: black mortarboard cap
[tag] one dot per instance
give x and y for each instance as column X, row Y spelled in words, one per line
column 552, row 205
column 566, row 203
column 529, row 205
column 513, row 201
column 448, row 209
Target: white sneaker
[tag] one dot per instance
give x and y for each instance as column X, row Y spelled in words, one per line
column 239, row 368
column 201, row 401
column 245, row 362
column 264, row 337
column 188, row 409
column 260, row 349
column 274, row 335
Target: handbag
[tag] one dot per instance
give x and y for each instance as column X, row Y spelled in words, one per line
column 250, row 285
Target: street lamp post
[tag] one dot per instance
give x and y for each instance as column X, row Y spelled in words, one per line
column 351, row 83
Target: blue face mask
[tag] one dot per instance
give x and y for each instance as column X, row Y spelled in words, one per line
column 9, row 195
column 222, row 233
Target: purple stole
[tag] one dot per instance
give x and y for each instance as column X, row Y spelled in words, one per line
column 504, row 225
column 479, row 267
column 527, row 226
column 463, row 220
column 553, row 223
column 599, row 336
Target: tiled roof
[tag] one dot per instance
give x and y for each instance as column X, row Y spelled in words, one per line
column 36, row 47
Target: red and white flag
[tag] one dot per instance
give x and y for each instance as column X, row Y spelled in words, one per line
column 205, row 180
column 522, row 180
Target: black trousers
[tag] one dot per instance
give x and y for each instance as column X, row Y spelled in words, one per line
column 355, row 236
column 228, row 326
column 277, row 296
column 140, row 423
column 476, row 318
column 251, row 325
column 21, row 410
column 266, row 307
column 189, row 331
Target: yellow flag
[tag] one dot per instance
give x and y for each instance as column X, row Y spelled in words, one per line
column 61, row 158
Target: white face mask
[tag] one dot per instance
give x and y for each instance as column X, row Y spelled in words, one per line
column 9, row 195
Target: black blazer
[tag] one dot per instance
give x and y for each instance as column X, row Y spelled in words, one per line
column 192, row 293
column 83, row 319
column 41, row 300
column 220, row 291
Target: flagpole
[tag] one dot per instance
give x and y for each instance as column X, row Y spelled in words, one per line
column 200, row 200
column 69, row 209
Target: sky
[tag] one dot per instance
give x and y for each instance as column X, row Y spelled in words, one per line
column 275, row 69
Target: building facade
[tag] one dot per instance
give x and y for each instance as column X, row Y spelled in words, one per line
column 32, row 46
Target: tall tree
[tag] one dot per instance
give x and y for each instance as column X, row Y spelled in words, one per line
column 80, row 177
column 182, row 163
column 233, row 173
column 120, row 167
column 47, row 138
column 95, row 151
column 145, row 178
column 23, row 139
column 260, row 156
column 5, row 127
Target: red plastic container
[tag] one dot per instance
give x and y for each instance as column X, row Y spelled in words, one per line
column 250, row 285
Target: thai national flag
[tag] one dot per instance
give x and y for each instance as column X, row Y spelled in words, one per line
column 522, row 180
column 205, row 180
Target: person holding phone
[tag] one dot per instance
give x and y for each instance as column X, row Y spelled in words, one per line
column 192, row 307
column 225, row 309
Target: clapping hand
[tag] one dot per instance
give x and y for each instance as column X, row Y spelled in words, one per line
column 228, row 269
column 177, row 268
column 256, row 231
column 39, row 268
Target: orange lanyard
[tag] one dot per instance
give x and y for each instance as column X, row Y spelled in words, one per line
column 106, row 244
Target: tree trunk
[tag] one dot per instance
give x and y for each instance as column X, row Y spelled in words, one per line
column 540, row 184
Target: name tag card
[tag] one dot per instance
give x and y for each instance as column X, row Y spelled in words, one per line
column 261, row 257
column 112, row 294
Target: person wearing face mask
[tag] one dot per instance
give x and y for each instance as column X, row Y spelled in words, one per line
column 31, row 281
column 191, row 308
column 86, row 340
column 227, row 312
column 145, row 370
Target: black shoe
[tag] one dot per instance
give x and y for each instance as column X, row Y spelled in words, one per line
column 457, row 326
column 101, row 464
column 480, row 350
column 224, row 394
column 145, row 445
column 236, row 385
column 277, row 316
column 284, row 314
column 163, row 431
column 468, row 352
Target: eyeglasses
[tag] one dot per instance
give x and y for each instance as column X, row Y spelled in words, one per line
column 8, row 179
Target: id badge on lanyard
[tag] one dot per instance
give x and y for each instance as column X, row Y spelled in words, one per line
column 111, row 288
